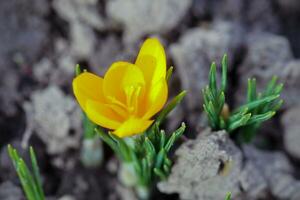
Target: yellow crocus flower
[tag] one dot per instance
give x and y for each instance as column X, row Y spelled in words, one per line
column 129, row 95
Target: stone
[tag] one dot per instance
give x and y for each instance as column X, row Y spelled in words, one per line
column 197, row 49
column 143, row 17
column 289, row 6
column 83, row 40
column 57, row 119
column 9, row 94
column 276, row 169
column 206, row 168
column 58, row 67
column 108, row 51
column 290, row 77
column 291, row 125
column 269, row 55
column 23, row 35
column 8, row 191
column 84, row 11
column 23, row 29
column 253, row 182
column 261, row 16
column 255, row 14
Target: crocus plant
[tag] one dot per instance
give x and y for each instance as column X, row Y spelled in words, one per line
column 244, row 121
column 124, row 103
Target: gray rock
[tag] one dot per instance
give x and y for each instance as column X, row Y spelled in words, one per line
column 58, row 68
column 211, row 165
column 9, row 94
column 23, row 35
column 84, row 11
column 291, row 124
column 276, row 169
column 289, row 6
column 144, row 17
column 83, row 40
column 22, row 29
column 231, row 9
column 195, row 51
column 56, row 119
column 290, row 76
column 267, row 55
column 206, row 168
column 255, row 14
column 253, row 182
column 261, row 15
column 8, row 191
column 108, row 51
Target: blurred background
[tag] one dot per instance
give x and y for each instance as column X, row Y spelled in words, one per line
column 41, row 41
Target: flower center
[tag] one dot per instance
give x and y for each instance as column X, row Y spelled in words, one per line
column 130, row 106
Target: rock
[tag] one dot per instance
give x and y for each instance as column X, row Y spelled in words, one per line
column 84, row 11
column 276, row 169
column 255, row 14
column 83, row 17
column 291, row 124
column 227, row 9
column 290, row 77
column 8, row 191
column 9, row 94
column 108, row 51
column 253, row 182
column 261, row 16
column 23, row 29
column 140, row 18
column 58, row 68
column 83, row 40
column 195, row 51
column 206, row 168
column 267, row 55
column 23, row 35
column 57, row 119
column 289, row 6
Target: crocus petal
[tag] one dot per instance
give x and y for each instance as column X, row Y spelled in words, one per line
column 152, row 60
column 120, row 75
column 102, row 115
column 88, row 86
column 156, row 98
column 132, row 126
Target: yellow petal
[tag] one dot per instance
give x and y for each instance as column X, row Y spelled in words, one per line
column 88, row 86
column 156, row 98
column 132, row 126
column 118, row 77
column 102, row 115
column 152, row 60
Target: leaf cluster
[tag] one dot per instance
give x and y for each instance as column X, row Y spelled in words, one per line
column 258, row 108
column 30, row 179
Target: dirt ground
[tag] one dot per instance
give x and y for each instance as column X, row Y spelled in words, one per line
column 42, row 41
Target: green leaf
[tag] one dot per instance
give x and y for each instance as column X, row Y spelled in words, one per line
column 212, row 79
column 158, row 172
column 160, row 158
column 36, row 173
column 251, row 94
column 30, row 181
column 169, row 73
column 224, row 73
column 228, row 196
column 174, row 102
column 260, row 117
column 240, row 122
column 77, row 70
column 107, row 139
column 254, row 104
